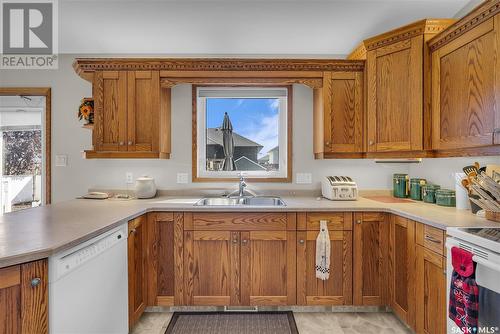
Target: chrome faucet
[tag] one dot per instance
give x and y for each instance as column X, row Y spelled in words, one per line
column 241, row 187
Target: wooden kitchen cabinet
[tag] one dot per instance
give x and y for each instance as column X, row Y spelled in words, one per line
column 165, row 258
column 402, row 268
column 239, row 259
column 131, row 119
column 465, row 84
column 337, row 290
column 341, row 118
column 137, row 263
column 24, row 298
column 431, row 308
column 370, row 259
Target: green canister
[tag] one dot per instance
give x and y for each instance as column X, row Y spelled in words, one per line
column 400, row 185
column 416, row 188
column 445, row 197
column 429, row 193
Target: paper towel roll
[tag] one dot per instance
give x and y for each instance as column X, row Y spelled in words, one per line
column 461, row 193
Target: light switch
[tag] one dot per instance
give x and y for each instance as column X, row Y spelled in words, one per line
column 129, row 178
column 61, row 160
column 182, row 177
column 303, row 178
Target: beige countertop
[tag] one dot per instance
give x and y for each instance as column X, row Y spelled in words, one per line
column 39, row 232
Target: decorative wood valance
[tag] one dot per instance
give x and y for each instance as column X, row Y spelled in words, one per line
column 483, row 12
column 85, row 67
column 310, row 82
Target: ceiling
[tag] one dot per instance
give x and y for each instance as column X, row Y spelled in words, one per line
column 298, row 28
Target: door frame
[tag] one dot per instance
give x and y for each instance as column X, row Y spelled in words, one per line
column 46, row 92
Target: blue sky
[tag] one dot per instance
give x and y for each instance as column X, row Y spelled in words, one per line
column 256, row 119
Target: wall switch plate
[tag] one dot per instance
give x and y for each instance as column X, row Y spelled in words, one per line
column 61, row 160
column 182, row 177
column 129, row 178
column 303, row 178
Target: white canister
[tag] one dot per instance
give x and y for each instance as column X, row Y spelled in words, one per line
column 145, row 187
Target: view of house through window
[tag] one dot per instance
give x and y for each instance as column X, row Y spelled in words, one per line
column 21, row 152
column 242, row 130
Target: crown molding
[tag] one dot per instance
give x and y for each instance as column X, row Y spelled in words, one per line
column 480, row 14
column 85, row 67
column 426, row 26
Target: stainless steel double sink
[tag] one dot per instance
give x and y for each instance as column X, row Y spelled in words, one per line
column 241, row 201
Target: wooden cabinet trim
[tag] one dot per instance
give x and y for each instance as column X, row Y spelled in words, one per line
column 10, row 276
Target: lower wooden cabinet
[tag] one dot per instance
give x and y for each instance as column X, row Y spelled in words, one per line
column 402, row 268
column 137, row 284
column 337, row 290
column 371, row 233
column 431, row 292
column 239, row 268
column 24, row 298
column 165, row 258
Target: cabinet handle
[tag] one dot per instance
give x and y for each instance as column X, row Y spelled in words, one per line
column 235, row 241
column 496, row 130
column 359, row 221
column 371, row 142
column 121, row 143
column 301, row 241
column 244, row 241
column 35, row 282
column 327, row 143
column 130, row 143
column 132, row 231
column 431, row 239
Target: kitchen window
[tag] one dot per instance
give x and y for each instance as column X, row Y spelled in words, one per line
column 242, row 131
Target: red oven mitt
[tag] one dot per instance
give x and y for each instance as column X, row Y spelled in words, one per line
column 464, row 292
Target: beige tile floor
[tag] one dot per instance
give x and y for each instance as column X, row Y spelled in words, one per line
column 307, row 323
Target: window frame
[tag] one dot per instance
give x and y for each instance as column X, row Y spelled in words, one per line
column 199, row 172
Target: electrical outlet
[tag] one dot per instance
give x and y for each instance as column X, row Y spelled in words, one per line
column 303, row 178
column 129, row 178
column 61, row 160
column 182, row 177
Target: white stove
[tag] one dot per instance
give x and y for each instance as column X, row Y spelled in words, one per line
column 484, row 244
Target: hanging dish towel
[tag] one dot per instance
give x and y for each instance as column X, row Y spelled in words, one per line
column 464, row 292
column 323, row 252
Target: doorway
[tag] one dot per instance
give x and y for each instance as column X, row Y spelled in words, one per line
column 25, row 173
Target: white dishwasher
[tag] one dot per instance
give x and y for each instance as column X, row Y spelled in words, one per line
column 88, row 286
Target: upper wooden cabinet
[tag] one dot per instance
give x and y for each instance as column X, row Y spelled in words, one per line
column 466, row 81
column 24, row 298
column 398, row 87
column 129, row 115
column 342, row 94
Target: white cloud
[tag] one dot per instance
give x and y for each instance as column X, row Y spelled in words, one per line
column 266, row 133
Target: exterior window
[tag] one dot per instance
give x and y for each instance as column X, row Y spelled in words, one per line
column 242, row 131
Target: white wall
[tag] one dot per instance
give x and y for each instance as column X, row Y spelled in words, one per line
column 69, row 138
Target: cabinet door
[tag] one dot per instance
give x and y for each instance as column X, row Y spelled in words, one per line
column 370, row 259
column 143, row 111
column 136, row 268
column 268, row 268
column 343, row 112
column 402, row 268
column 466, row 97
column 211, row 268
column 165, row 259
column 431, row 292
column 395, row 96
column 24, row 298
column 337, row 290
column 110, row 104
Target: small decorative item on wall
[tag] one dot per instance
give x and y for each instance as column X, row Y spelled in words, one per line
column 86, row 111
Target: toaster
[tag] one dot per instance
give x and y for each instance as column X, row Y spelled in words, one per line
column 339, row 188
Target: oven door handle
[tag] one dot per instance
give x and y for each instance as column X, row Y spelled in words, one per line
column 486, row 263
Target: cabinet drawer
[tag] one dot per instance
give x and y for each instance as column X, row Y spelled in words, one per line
column 227, row 221
column 431, row 238
column 336, row 221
